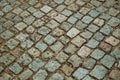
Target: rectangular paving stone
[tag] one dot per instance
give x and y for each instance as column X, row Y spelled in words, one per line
column 67, row 12
column 7, row 59
column 92, row 43
column 27, row 44
column 65, row 26
column 93, row 28
column 86, row 34
column 78, row 41
column 38, row 14
column 72, row 32
column 80, row 25
column 52, row 66
column 70, row 49
column 114, row 22
column 41, row 74
column 116, row 53
column 2, row 29
column 93, row 13
column 16, row 68
column 98, row 22
column 60, row 18
column 57, row 46
column 49, row 39
column 24, row 59
column 62, row 57
column 72, row 20
column 12, row 43
column 56, row 76
column 98, row 36
column 89, row 63
column 108, row 61
column 112, row 40
column 84, row 51
column 36, row 64
column 29, row 20
column 105, row 46
column 53, row 24
column 87, row 19
column 75, row 60
column 6, row 34
column 97, row 54
column 44, row 30
column 20, row 26
column 41, row 46
column 31, row 9
column 99, row 72
column 46, row 8
column 7, row 8
column 106, row 29
column 26, row 74
column 80, row 73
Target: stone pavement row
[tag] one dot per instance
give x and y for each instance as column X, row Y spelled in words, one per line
column 59, row 40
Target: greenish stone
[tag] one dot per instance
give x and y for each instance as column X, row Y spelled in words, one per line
column 17, row 19
column 7, row 59
column 107, row 61
column 93, row 28
column 105, row 16
column 87, row 19
column 116, row 53
column 27, row 44
column 16, row 68
column 49, row 39
column 98, row 36
column 67, row 12
column 57, row 46
column 106, row 29
column 8, row 24
column 31, row 9
column 72, row 20
column 93, row 13
column 92, row 43
column 40, row 75
column 101, row 9
column 52, row 66
column 1, row 69
column 114, row 22
column 41, row 46
column 88, row 78
column 80, row 73
column 44, row 30
column 12, row 43
column 6, row 34
column 99, row 72
column 66, row 26
column 29, row 20
column 1, row 13
column 78, row 15
column 24, row 59
column 38, row 14
column 36, row 64
column 97, row 54
column 22, row 37
column 59, row 1
column 25, row 75
column 56, row 76
column 7, row 8
column 86, row 34
column 81, row 25
column 89, row 63
column 2, row 29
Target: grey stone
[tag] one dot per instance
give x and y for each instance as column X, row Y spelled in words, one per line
column 92, row 43
column 12, row 43
column 56, row 76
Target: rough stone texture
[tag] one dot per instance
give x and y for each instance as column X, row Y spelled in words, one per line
column 59, row 39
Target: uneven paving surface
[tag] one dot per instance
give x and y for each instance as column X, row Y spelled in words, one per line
column 59, row 39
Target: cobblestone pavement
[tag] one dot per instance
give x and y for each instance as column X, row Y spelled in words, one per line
column 59, row 39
